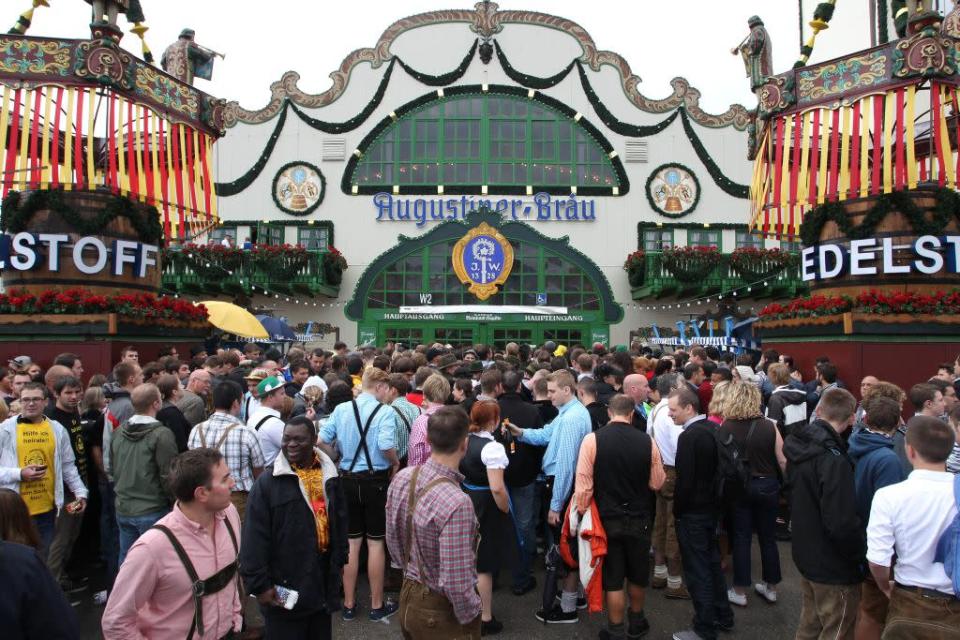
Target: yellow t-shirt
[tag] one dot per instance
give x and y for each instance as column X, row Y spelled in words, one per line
column 37, row 444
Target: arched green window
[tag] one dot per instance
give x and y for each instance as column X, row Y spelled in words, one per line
column 471, row 138
column 536, row 270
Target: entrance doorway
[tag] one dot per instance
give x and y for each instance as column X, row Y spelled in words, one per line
column 491, row 333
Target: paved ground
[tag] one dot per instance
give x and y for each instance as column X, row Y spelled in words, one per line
column 758, row 620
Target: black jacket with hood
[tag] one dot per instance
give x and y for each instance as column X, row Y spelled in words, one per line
column 787, row 408
column 280, row 539
column 828, row 539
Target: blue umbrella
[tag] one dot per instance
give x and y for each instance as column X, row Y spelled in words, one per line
column 278, row 329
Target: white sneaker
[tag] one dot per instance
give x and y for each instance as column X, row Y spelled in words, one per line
column 765, row 592
column 736, row 598
column 100, row 597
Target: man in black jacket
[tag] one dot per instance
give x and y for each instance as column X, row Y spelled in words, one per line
column 587, row 392
column 295, row 536
column 828, row 540
column 696, row 512
column 521, row 476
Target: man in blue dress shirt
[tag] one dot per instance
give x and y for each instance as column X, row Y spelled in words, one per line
column 562, row 439
column 364, row 434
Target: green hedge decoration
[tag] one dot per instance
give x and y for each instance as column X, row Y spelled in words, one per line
column 527, row 80
column 728, row 186
column 19, row 209
column 946, row 209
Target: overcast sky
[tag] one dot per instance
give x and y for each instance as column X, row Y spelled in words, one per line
column 660, row 40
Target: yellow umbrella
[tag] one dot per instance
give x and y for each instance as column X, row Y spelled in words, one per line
column 234, row 319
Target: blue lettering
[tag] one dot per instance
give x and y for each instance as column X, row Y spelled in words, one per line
column 420, row 212
column 436, row 209
column 514, row 204
column 592, row 215
column 384, row 203
column 403, row 210
column 452, row 209
column 502, row 205
column 542, row 201
column 572, row 208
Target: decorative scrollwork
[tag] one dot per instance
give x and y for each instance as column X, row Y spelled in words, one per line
column 167, row 91
column 108, row 64
column 486, row 20
column 19, row 55
column 926, row 54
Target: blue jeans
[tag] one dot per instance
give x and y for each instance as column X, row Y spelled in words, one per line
column 756, row 511
column 109, row 533
column 700, row 554
column 132, row 527
column 46, row 524
column 525, row 516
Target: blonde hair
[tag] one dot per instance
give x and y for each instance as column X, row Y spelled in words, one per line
column 715, row 408
column 4, row 410
column 436, row 389
column 779, row 374
column 373, row 376
column 741, row 401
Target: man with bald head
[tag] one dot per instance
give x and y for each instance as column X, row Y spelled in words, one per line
column 636, row 387
column 865, row 384
column 193, row 400
column 140, row 455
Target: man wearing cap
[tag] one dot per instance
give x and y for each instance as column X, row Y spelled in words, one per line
column 364, row 431
column 266, row 419
column 447, row 366
column 251, row 401
column 20, row 364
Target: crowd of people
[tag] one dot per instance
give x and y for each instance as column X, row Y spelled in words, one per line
column 244, row 492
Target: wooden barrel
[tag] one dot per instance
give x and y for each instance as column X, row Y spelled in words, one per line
column 894, row 225
column 88, row 205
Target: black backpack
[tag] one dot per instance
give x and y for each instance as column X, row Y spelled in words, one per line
column 733, row 465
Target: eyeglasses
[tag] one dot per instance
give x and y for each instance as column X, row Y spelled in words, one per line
column 29, row 400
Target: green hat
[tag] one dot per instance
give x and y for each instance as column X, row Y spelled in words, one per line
column 268, row 385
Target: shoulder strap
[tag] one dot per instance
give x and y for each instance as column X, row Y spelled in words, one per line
column 260, row 424
column 406, row 422
column 226, row 432
column 196, row 583
column 413, row 498
column 746, row 442
column 201, row 436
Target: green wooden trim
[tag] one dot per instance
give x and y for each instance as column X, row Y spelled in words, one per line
column 610, row 311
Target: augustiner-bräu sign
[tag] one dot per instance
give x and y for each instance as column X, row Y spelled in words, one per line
column 881, row 256
column 90, row 255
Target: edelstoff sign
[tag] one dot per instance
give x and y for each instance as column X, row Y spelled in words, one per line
column 880, row 256
column 27, row 251
column 543, row 208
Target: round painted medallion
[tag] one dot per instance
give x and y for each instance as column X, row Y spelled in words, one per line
column 298, row 188
column 673, row 190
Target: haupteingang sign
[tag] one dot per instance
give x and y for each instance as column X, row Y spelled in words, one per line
column 880, row 256
column 25, row 251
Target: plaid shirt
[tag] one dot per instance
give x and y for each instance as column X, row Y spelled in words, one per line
column 419, row 448
column 446, row 535
column 411, row 412
column 241, row 450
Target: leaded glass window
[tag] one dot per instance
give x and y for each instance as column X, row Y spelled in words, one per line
column 485, row 139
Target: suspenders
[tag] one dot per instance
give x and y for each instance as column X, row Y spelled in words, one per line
column 363, row 429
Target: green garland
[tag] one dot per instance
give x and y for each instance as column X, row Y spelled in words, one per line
column 882, row 36
column 612, row 123
column 357, row 120
column 311, row 208
column 443, row 79
column 728, row 186
column 18, row 214
column 946, row 209
column 656, row 207
column 527, row 80
column 244, row 181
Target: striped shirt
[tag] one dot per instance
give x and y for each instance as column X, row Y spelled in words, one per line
column 241, row 449
column 445, row 525
column 410, row 412
column 562, row 439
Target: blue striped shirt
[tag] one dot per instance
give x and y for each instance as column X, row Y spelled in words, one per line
column 562, row 437
column 342, row 429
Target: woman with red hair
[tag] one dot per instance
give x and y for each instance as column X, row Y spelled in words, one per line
column 482, row 468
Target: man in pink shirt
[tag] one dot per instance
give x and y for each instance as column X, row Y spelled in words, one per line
column 197, row 542
column 435, row 392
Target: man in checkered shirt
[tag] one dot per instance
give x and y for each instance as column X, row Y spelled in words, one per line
column 237, row 442
column 432, row 536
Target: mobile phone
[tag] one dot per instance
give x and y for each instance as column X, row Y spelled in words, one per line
column 41, row 467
